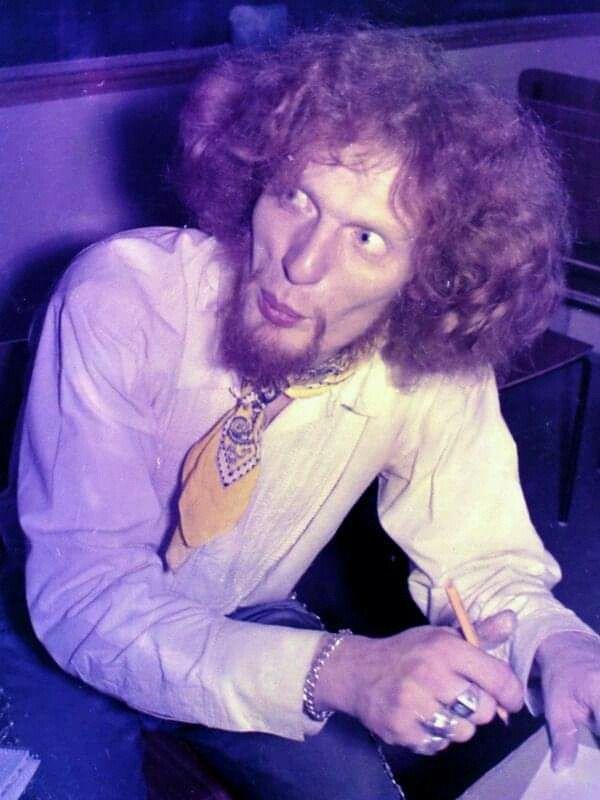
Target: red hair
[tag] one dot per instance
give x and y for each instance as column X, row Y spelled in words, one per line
column 476, row 176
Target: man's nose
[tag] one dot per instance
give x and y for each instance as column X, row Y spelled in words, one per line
column 308, row 252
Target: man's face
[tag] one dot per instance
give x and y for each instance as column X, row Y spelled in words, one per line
column 328, row 258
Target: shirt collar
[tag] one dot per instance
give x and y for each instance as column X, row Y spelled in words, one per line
column 367, row 391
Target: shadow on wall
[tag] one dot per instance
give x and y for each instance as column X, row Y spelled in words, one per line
column 79, row 169
column 148, row 136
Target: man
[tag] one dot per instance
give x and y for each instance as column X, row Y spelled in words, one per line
column 206, row 407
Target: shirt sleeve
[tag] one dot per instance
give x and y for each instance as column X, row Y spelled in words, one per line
column 455, row 505
column 98, row 594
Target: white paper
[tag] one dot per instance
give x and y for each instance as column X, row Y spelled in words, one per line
column 16, row 770
column 580, row 782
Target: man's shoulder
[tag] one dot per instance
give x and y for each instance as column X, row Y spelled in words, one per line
column 454, row 402
column 143, row 255
column 145, row 272
column 167, row 240
column 430, row 401
column 428, row 390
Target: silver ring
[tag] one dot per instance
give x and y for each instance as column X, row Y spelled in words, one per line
column 431, row 745
column 466, row 703
column 442, row 723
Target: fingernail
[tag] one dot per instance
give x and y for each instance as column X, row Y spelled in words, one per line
column 560, row 765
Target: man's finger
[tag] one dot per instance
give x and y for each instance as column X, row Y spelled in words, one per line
column 492, row 675
column 564, row 747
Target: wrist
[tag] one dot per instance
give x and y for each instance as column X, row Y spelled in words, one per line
column 339, row 677
column 546, row 648
column 557, row 644
column 315, row 705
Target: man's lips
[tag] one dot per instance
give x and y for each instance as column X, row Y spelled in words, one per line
column 275, row 312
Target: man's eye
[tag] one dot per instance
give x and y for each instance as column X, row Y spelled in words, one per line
column 369, row 241
column 295, row 199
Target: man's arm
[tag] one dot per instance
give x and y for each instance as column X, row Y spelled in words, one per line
column 463, row 517
column 99, row 597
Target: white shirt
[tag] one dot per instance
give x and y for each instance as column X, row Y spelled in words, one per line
column 126, row 379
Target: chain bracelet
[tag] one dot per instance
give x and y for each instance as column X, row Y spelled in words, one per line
column 310, row 683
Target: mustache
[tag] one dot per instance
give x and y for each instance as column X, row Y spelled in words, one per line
column 247, row 278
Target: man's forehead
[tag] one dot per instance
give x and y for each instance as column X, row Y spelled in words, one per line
column 363, row 156
column 363, row 179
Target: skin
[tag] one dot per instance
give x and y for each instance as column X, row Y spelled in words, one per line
column 335, row 251
column 569, row 665
column 395, row 683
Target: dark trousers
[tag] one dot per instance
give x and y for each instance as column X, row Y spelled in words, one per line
column 90, row 745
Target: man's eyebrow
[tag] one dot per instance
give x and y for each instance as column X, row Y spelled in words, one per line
column 369, row 225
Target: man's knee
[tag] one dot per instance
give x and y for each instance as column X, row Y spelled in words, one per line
column 342, row 762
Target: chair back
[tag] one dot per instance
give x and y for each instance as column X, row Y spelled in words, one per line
column 570, row 107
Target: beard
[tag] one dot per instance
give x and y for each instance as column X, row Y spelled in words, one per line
column 250, row 351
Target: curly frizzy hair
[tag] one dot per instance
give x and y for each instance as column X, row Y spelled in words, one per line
column 476, row 177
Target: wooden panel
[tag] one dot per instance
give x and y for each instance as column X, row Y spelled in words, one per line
column 502, row 26
column 121, row 73
column 111, row 75
column 505, row 31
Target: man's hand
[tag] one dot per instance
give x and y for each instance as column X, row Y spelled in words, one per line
column 396, row 684
column 570, row 672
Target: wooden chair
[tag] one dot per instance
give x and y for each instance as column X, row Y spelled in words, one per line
column 554, row 351
column 174, row 771
column 569, row 107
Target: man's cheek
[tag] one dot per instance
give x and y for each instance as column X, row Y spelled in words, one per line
column 261, row 255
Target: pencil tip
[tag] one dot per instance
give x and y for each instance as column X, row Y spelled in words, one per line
column 503, row 714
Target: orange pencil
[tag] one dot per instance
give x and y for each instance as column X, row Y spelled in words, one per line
column 468, row 630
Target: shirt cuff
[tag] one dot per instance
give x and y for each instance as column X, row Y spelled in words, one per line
column 260, row 670
column 527, row 638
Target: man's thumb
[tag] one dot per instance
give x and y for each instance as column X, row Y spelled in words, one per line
column 496, row 629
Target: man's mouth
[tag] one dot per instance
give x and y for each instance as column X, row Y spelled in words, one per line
column 275, row 312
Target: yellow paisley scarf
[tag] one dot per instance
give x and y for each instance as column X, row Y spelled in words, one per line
column 221, row 469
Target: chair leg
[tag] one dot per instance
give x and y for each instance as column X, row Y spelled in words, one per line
column 570, row 471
